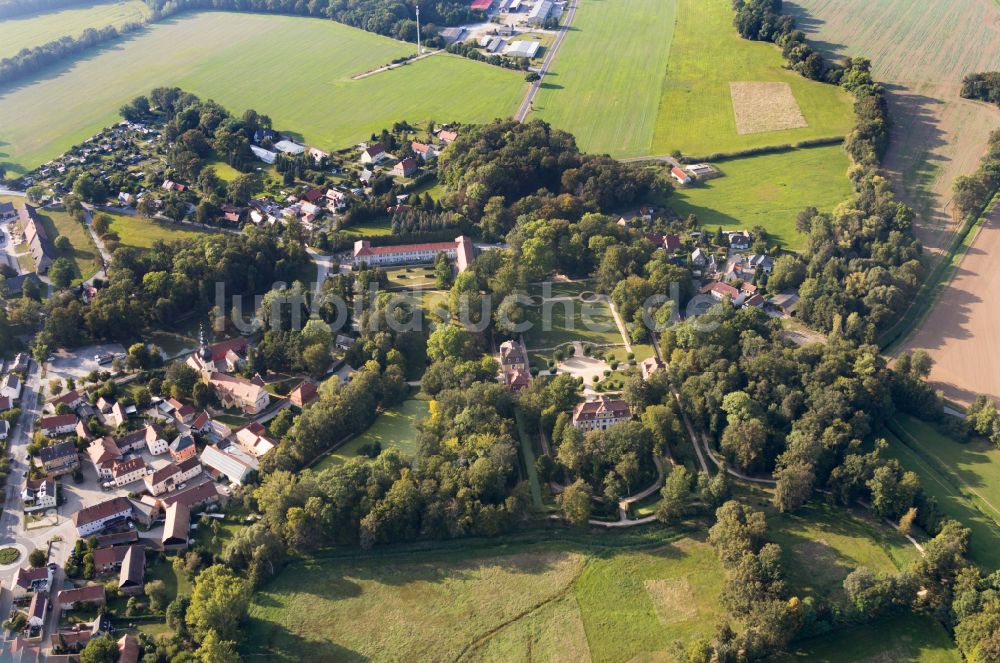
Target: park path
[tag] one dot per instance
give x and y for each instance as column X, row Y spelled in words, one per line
column 529, row 96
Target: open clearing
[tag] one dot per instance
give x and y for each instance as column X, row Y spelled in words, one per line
column 768, row 190
column 563, row 321
column 707, row 54
column 394, row 429
column 296, row 70
column 142, row 233
column 82, row 251
column 32, row 30
column 921, row 50
column 960, row 332
column 604, row 88
column 821, row 546
column 546, row 602
column 913, row 638
column 765, row 107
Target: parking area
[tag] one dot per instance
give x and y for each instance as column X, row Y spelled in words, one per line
column 78, row 362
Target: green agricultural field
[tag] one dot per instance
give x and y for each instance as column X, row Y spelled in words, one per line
column 696, row 110
column 770, row 191
column 83, row 252
column 31, row 30
column 821, row 546
column 557, row 322
column 605, row 82
column 913, row 638
column 142, row 233
column 547, row 601
column 984, row 546
column 296, row 70
column 394, row 429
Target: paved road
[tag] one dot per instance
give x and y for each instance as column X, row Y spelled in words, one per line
column 529, row 96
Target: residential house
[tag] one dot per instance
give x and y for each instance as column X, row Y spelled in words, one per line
column 183, row 412
column 117, row 417
column 72, row 639
column 162, row 480
column 267, row 156
column 682, row 177
column 424, row 151
column 104, row 454
column 235, row 464
column 7, row 212
column 254, row 440
column 145, row 510
column 72, row 399
column 127, row 471
column 740, row 241
column 754, row 301
column 10, row 386
column 720, row 291
column 517, row 379
column 59, row 458
column 461, row 251
column 318, row 155
column 108, row 560
column 235, row 391
column 170, row 185
column 194, row 496
column 93, row 519
column 155, row 443
column 68, row 599
column 182, row 448
column 189, row 469
column 698, row 258
column 447, row 137
column 103, row 405
column 303, row 395
column 290, row 147
column 60, row 424
column 374, row 154
column 600, row 414
column 405, row 167
column 201, row 423
column 177, row 527
column 133, row 572
column 511, row 355
column 34, row 580
column 39, row 494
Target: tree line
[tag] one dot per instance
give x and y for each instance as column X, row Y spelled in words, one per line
column 983, row 86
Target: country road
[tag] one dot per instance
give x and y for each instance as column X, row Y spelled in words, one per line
column 529, row 96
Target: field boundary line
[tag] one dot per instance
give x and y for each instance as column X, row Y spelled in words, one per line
column 944, row 466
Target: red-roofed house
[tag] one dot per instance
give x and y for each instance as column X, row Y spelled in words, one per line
column 374, row 154
column 600, row 414
column 461, row 251
column 405, row 167
column 61, row 424
column 447, row 137
column 681, row 176
column 303, row 395
column 91, row 594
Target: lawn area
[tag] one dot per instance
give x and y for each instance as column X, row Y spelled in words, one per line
column 984, row 546
column 413, row 276
column 378, row 228
column 142, row 233
column 31, row 30
column 821, row 546
column 560, row 288
column 301, row 70
column 557, row 322
column 520, row 601
column 223, row 169
column 914, row 638
column 394, row 429
column 696, row 112
column 83, row 252
column 770, row 191
column 604, row 88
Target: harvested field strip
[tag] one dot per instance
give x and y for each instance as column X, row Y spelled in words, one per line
column 760, row 107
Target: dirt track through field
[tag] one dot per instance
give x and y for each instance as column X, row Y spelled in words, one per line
column 920, row 51
column 962, row 333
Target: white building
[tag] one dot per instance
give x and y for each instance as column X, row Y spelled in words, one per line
column 267, row 156
column 95, row 518
column 11, row 387
column 128, row 471
column 39, row 494
column 461, row 251
column 235, row 464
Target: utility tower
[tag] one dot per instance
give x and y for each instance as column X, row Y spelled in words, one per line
column 418, row 29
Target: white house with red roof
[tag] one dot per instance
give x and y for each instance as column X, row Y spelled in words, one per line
column 600, row 414
column 682, row 177
column 461, row 251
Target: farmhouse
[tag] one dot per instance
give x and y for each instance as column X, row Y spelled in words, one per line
column 702, row 171
column 59, row 458
column 38, row 494
column 405, row 167
column 461, row 251
column 60, row 424
column 195, row 496
column 104, row 454
column 267, row 156
column 38, row 241
column 109, row 559
column 600, row 414
column 92, row 519
column 681, row 176
column 720, row 291
column 374, row 154
column 128, row 471
column 162, row 480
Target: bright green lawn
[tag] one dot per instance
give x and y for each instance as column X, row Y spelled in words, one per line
column 376, row 228
column 83, row 252
column 394, row 429
column 984, row 546
column 546, row 602
column 605, row 83
column 770, row 191
column 558, row 322
column 912, row 638
column 696, row 109
column 821, row 546
column 141, row 232
column 296, row 70
column 411, row 276
column 223, row 170
column 31, row 30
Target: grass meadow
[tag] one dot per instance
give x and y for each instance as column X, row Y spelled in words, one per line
column 83, row 252
column 707, row 54
column 30, row 30
column 914, row 638
column 589, row 322
column 605, row 83
column 296, row 70
column 143, row 233
column 769, row 190
column 394, row 429
column 547, row 601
